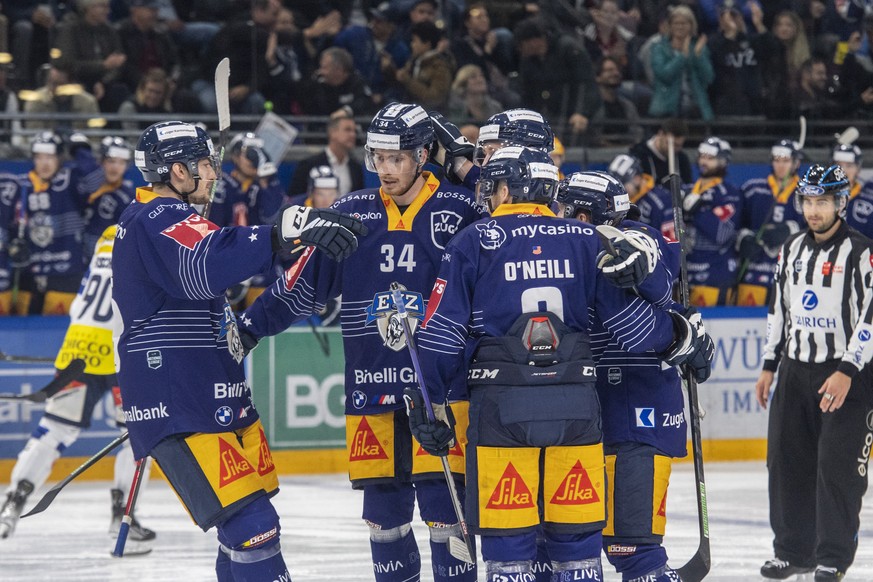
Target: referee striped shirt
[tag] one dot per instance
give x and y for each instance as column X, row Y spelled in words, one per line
column 822, row 306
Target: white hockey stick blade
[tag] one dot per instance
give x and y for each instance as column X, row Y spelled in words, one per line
column 802, row 140
column 458, row 549
column 222, row 99
column 849, row 136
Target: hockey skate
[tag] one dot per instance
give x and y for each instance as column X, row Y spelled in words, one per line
column 826, row 574
column 139, row 539
column 11, row 510
column 781, row 569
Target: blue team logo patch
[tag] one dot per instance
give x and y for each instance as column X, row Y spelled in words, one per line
column 224, row 415
column 613, row 375
column 443, row 226
column 154, row 359
column 359, row 399
column 645, row 417
column 809, row 301
column 389, row 324
column 863, row 335
column 491, row 236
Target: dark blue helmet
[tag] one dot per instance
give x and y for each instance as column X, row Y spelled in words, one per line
column 818, row 181
column 786, row 148
column 244, row 140
column 400, row 126
column 716, row 147
column 47, row 142
column 625, row 168
column 115, row 147
column 529, row 173
column 322, row 177
column 849, row 153
column 515, row 127
column 164, row 144
column 599, row 194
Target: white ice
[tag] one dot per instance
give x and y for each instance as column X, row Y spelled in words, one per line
column 323, row 537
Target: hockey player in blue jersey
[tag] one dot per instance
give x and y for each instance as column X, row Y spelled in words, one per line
column 644, row 423
column 653, row 201
column 768, row 218
column 108, row 191
column 512, row 305
column 410, row 220
column 712, row 208
column 186, row 400
column 859, row 212
column 322, row 188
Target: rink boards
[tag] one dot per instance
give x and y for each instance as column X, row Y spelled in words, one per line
column 300, row 394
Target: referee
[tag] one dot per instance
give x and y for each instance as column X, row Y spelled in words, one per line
column 821, row 421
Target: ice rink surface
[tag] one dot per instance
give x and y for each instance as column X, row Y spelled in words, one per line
column 323, row 537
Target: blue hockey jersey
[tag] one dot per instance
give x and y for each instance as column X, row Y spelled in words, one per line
column 859, row 213
column 712, row 232
column 105, row 203
column 656, row 207
column 403, row 247
column 180, row 357
column 521, row 260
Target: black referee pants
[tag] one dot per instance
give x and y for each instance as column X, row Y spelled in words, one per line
column 817, row 465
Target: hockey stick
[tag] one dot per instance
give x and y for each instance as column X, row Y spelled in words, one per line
column 25, row 359
column 64, row 377
column 47, row 499
column 698, row 566
column 123, row 530
column 802, row 139
column 460, row 549
column 849, row 136
column 222, row 100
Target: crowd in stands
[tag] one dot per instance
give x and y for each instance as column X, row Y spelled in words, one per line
column 585, row 65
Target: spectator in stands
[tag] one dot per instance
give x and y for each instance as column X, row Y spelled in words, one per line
column 653, row 153
column 617, row 116
column 736, row 89
column 469, row 99
column 285, row 72
column 371, row 45
column 146, row 46
column 32, row 23
column 813, row 97
column 336, row 84
column 341, row 138
column 152, row 97
column 59, row 95
column 91, row 50
column 426, row 78
column 9, row 105
column 682, row 70
column 555, row 78
column 605, row 37
column 417, row 11
column 199, row 22
column 490, row 49
column 856, row 73
column 783, row 50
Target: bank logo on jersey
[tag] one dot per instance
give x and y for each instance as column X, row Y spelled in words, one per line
column 511, row 491
column 576, row 488
column 810, row 300
column 190, row 231
column 491, row 236
column 645, row 417
column 384, row 313
column 365, row 445
column 443, row 226
column 232, row 465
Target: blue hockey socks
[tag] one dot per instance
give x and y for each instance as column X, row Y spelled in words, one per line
column 445, row 566
column 395, row 554
column 633, row 561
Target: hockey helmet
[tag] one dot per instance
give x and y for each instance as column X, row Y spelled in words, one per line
column 163, row 144
column 47, row 142
column 600, row 194
column 786, row 148
column 115, row 147
column 244, row 140
column 819, row 181
column 848, row 153
column 400, row 126
column 529, row 174
column 514, row 127
column 322, row 177
column 625, row 168
column 717, row 148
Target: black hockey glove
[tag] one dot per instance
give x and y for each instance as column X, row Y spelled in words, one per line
column 692, row 347
column 437, row 438
column 324, row 228
column 453, row 147
column 76, row 142
column 634, row 213
column 248, row 341
column 748, row 247
column 19, row 253
column 260, row 161
column 635, row 257
column 774, row 235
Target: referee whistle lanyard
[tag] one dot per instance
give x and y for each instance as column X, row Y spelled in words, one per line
column 781, row 193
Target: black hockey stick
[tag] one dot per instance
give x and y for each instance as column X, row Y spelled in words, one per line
column 461, row 549
column 698, row 566
column 123, row 530
column 47, row 499
column 64, row 377
column 25, row 359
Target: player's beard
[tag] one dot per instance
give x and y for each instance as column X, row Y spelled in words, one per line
column 201, row 194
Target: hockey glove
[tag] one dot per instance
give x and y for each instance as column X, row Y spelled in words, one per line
column 324, row 228
column 260, row 161
column 693, row 203
column 248, row 341
column 774, row 235
column 19, row 253
column 455, row 148
column 747, row 246
column 636, row 256
column 78, row 141
column 437, row 438
column 692, row 347
column 634, row 213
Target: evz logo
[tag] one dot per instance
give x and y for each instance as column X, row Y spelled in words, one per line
column 383, row 311
column 443, row 226
column 491, row 236
column 809, row 301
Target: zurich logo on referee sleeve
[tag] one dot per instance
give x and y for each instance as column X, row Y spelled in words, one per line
column 810, row 300
column 645, row 417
